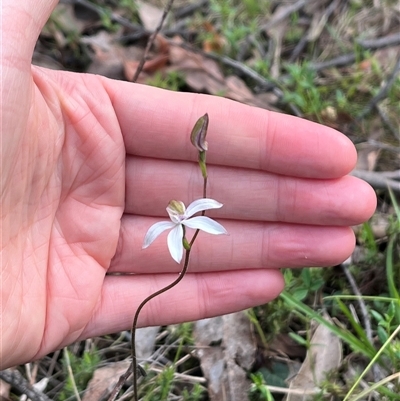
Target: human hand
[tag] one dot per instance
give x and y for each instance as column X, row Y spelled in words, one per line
column 89, row 164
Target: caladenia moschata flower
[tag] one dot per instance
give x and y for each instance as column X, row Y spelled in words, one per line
column 181, row 217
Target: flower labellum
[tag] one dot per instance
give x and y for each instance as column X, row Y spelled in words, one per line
column 182, row 216
column 199, row 132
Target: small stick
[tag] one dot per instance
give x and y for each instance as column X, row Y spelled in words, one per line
column 151, row 40
column 364, row 313
column 14, row 377
column 382, row 94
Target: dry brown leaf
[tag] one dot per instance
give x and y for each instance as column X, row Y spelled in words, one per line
column 154, row 63
column 150, row 66
column 104, row 380
column 107, row 55
column 277, row 32
column 324, row 354
column 227, row 349
column 214, row 42
column 283, row 344
column 4, row 391
column 146, row 341
column 367, row 156
column 204, row 75
column 149, row 15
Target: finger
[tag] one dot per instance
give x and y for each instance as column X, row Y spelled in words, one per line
column 157, row 123
column 197, row 296
column 247, row 194
column 249, row 245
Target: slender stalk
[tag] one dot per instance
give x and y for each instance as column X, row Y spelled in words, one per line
column 150, row 297
column 135, row 319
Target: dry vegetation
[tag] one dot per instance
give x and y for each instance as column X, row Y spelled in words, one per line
column 336, row 62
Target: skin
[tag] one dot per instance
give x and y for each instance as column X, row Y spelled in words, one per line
column 89, row 164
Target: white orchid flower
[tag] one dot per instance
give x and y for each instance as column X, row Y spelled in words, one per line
column 182, row 216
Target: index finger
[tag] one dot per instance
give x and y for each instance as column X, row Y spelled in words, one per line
column 157, row 123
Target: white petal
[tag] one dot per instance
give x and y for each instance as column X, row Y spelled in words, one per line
column 155, row 230
column 175, row 245
column 206, row 224
column 200, row 205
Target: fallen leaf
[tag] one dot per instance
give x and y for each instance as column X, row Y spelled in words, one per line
column 104, row 379
column 324, row 354
column 214, row 41
column 4, row 391
column 146, row 341
column 205, row 75
column 227, row 349
column 149, row 15
column 107, row 55
column 155, row 62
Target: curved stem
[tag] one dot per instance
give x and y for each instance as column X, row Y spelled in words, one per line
column 138, row 310
column 155, row 294
column 162, row 290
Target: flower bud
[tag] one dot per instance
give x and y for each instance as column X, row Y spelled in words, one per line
column 199, row 132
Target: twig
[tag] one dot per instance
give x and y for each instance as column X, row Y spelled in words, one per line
column 236, row 65
column 377, row 180
column 361, row 303
column 186, row 11
column 14, row 377
column 121, row 381
column 244, row 69
column 340, row 61
column 379, row 43
column 152, row 39
column 395, row 175
column 279, row 17
column 386, row 120
column 101, row 11
column 382, row 94
column 385, row 146
column 346, row 59
column 364, row 313
column 307, row 38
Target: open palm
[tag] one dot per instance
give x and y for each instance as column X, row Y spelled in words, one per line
column 89, row 164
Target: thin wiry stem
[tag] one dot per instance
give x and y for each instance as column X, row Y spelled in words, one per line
column 138, row 310
column 150, row 297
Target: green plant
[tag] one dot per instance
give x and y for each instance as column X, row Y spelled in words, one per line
column 300, row 89
column 173, row 80
column 259, row 390
column 308, row 282
column 82, row 368
column 357, row 344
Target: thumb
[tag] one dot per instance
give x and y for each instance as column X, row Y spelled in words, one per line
column 21, row 23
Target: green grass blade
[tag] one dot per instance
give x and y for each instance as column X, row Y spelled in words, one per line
column 373, row 360
column 346, row 336
column 356, row 326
